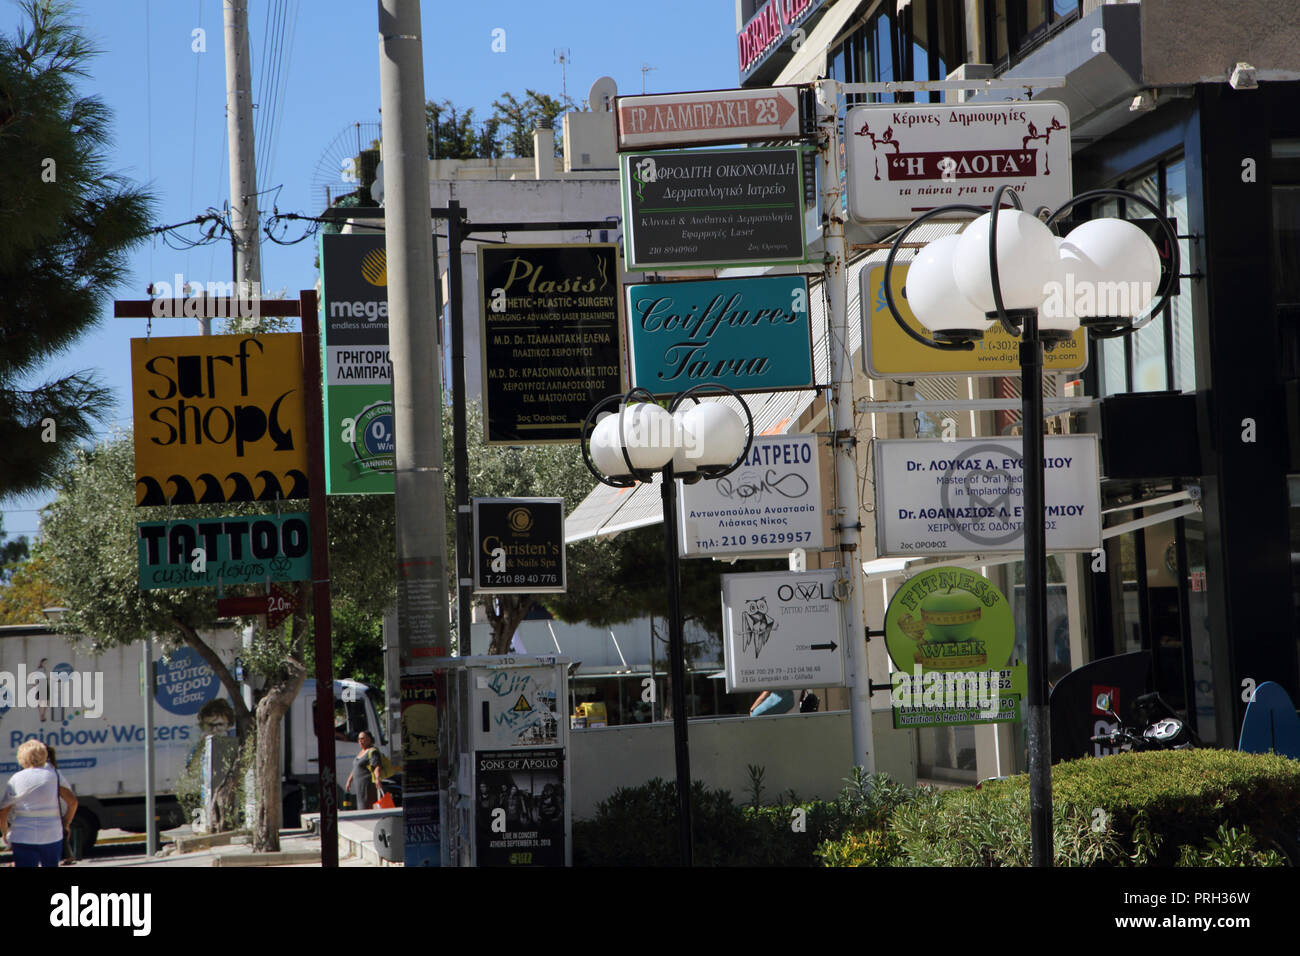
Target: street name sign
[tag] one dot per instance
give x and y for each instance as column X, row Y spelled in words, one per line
column 967, row 496
column 782, row 629
column 713, row 116
column 902, row 161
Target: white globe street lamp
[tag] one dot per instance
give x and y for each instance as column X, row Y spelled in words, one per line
column 629, row 438
column 1010, row 267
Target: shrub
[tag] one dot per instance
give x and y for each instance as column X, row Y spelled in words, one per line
column 1201, row 807
column 637, row 826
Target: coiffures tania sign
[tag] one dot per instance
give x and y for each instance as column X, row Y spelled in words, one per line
column 902, row 161
column 358, row 369
column 519, row 545
column 748, row 334
column 240, row 549
column 550, row 338
column 218, row 418
column 689, row 208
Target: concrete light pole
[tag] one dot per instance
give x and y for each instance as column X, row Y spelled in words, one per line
column 422, row 623
column 244, row 218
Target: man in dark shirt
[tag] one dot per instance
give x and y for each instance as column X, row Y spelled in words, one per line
column 359, row 782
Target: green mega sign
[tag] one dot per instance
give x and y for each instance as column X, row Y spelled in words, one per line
column 205, row 552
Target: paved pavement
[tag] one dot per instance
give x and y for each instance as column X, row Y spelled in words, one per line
column 116, row 848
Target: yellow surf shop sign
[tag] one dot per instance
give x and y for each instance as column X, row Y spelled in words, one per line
column 888, row 351
column 218, row 418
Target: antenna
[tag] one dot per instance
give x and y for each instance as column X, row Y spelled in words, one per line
column 645, row 68
column 563, row 57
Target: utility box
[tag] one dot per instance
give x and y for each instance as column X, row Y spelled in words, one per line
column 506, row 746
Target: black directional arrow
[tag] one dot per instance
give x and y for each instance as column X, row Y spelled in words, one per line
column 824, row 647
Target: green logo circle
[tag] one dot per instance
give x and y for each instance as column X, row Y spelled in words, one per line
column 949, row 619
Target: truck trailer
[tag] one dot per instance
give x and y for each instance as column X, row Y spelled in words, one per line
column 89, row 707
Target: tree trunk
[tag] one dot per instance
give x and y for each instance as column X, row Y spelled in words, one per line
column 504, row 614
column 268, row 767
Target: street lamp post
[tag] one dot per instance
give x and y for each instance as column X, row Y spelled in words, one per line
column 1010, row 267
column 705, row 440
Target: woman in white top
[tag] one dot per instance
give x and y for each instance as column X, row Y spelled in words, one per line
column 30, row 809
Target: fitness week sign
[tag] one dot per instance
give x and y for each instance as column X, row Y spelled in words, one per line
column 218, row 418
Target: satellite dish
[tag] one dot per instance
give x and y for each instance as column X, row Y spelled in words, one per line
column 601, row 97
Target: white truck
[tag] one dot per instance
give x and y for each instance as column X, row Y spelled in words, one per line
column 93, row 716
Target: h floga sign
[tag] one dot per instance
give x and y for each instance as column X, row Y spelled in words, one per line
column 218, row 418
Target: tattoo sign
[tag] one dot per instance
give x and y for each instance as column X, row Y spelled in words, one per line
column 782, row 629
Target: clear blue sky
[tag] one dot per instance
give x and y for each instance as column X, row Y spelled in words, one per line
column 168, row 106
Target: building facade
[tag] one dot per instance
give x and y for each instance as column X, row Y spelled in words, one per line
column 1195, row 106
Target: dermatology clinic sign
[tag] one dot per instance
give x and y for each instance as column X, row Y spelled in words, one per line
column 218, row 418
column 944, row 497
column 770, row 504
column 902, row 161
column 550, row 338
column 748, row 334
column 685, row 209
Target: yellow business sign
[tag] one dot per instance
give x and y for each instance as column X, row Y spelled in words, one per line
column 888, row 352
column 218, row 418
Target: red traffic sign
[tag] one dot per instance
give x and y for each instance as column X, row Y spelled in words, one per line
column 276, row 606
column 281, row 603
column 714, row 116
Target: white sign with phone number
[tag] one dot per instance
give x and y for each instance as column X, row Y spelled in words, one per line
column 771, row 504
column 966, row 496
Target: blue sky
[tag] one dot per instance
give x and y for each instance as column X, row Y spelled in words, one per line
column 168, row 105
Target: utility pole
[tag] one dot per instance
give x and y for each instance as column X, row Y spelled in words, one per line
column 844, row 441
column 244, row 218
column 150, row 801
column 422, row 611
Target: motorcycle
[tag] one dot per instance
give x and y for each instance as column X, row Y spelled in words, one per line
column 1158, row 726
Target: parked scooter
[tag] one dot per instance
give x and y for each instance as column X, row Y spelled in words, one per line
column 1158, row 726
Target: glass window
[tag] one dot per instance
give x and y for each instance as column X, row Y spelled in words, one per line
column 1112, row 367
column 1182, row 344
